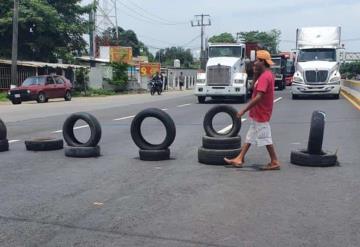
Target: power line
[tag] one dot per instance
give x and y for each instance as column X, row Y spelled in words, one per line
column 160, row 18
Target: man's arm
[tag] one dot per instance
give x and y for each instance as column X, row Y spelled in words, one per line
column 251, row 104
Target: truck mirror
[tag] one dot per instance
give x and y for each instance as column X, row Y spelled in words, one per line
column 252, row 55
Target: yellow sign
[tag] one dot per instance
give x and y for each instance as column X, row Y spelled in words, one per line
column 121, row 54
column 149, row 69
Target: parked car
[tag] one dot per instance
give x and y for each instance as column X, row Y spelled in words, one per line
column 41, row 88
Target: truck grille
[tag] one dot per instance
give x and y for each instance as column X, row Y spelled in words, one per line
column 316, row 77
column 218, row 75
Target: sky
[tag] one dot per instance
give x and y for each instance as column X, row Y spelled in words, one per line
column 164, row 23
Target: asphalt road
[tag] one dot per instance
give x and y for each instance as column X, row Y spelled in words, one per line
column 118, row 200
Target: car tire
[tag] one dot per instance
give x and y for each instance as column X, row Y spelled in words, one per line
column 221, row 142
column 3, row 130
column 167, row 121
column 154, row 155
column 41, row 98
column 201, row 99
column 316, row 134
column 216, row 156
column 68, row 96
column 16, row 102
column 4, row 145
column 68, row 130
column 208, row 121
column 294, row 96
column 304, row 158
column 82, row 152
column 44, row 144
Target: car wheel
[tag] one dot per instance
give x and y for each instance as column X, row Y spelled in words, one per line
column 41, row 98
column 16, row 102
column 67, row 96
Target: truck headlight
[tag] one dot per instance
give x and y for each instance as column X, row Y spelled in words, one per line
column 298, row 79
column 28, row 91
column 335, row 80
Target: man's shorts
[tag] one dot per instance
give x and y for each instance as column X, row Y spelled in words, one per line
column 259, row 134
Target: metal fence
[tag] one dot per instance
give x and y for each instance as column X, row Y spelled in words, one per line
column 5, row 75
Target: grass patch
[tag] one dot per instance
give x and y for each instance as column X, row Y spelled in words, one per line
column 94, row 93
column 3, row 96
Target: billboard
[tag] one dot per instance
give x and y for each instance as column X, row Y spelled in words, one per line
column 121, row 54
column 149, row 69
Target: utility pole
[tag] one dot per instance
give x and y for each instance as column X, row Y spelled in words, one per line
column 199, row 22
column 14, row 53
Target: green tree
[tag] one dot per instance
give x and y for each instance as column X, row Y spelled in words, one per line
column 126, row 38
column 269, row 40
column 350, row 70
column 48, row 29
column 222, row 38
column 168, row 55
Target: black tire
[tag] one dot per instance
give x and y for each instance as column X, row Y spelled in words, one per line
column 95, row 128
column 152, row 91
column 336, row 96
column 294, row 96
column 201, row 99
column 208, row 121
column 160, row 115
column 16, row 101
column 4, row 145
column 82, row 152
column 243, row 98
column 216, row 157
column 44, row 144
column 68, row 96
column 304, row 158
column 3, row 130
column 221, row 142
column 41, row 98
column 154, row 155
column 316, row 132
column 159, row 91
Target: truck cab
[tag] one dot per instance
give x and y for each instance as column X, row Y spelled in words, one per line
column 279, row 71
column 225, row 75
column 317, row 62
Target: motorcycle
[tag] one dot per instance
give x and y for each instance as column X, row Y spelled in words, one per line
column 155, row 86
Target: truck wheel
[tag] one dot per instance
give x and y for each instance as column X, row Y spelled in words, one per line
column 243, row 98
column 336, row 96
column 294, row 96
column 201, row 99
column 4, row 145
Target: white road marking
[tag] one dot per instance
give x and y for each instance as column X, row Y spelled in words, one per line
column 12, row 141
column 280, row 98
column 123, row 118
column 295, row 143
column 76, row 128
column 183, row 105
column 227, row 128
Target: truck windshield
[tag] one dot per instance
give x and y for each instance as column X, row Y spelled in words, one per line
column 307, row 55
column 277, row 62
column 225, row 51
column 34, row 81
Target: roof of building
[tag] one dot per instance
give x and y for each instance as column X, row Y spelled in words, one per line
column 36, row 64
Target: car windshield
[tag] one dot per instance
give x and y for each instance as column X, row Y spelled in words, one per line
column 225, row 51
column 307, row 55
column 34, row 81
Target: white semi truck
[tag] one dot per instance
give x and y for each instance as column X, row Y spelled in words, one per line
column 225, row 75
column 317, row 64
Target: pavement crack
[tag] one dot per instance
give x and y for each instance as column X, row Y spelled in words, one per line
column 119, row 233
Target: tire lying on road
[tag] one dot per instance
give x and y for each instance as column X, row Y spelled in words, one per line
column 154, row 155
column 167, row 121
column 82, row 152
column 221, row 142
column 68, row 130
column 316, row 132
column 4, row 145
column 216, row 157
column 44, row 144
column 208, row 121
column 3, row 130
column 304, row 158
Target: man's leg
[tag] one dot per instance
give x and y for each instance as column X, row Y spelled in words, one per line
column 274, row 164
column 240, row 159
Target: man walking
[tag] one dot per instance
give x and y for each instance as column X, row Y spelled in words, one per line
column 260, row 107
column 181, row 80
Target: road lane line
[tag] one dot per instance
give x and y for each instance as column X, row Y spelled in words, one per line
column 353, row 102
column 76, row 128
column 280, row 98
column 227, row 128
column 123, row 118
column 13, row 141
column 183, row 105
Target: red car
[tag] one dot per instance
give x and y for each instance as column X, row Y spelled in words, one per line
column 41, row 88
